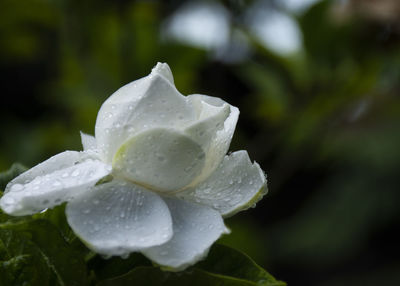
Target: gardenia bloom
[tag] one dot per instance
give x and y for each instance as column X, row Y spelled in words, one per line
column 154, row 179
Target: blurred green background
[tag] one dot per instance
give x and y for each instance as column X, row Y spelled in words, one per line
column 317, row 83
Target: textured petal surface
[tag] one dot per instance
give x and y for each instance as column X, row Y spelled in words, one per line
column 160, row 159
column 150, row 102
column 235, row 185
column 222, row 127
column 196, row 228
column 117, row 218
column 88, row 142
column 52, row 182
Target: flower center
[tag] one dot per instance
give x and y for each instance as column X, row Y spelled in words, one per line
column 163, row 160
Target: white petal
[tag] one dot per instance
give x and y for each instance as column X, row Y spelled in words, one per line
column 160, row 159
column 117, row 218
column 235, row 185
column 150, row 102
column 211, row 119
column 52, row 182
column 163, row 70
column 88, row 142
column 196, row 228
column 222, row 135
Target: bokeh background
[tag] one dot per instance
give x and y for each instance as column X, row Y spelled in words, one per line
column 317, row 83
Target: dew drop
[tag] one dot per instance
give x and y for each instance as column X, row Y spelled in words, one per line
column 17, row 187
column 56, row 184
column 75, row 173
column 9, row 201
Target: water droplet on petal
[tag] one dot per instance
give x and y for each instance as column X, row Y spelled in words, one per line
column 75, row 173
column 9, row 200
column 56, row 184
column 17, row 187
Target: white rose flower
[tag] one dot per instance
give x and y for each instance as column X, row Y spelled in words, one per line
column 169, row 181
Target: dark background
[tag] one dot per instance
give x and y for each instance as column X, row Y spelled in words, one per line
column 317, row 83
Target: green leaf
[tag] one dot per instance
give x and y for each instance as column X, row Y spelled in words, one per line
column 52, row 261
column 223, row 266
column 11, row 268
column 227, row 261
column 152, row 276
column 10, row 174
column 57, row 217
column 13, row 246
column 116, row 266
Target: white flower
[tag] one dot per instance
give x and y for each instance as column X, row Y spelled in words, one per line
column 169, row 180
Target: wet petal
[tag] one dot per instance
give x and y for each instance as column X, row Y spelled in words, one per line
column 117, row 218
column 221, row 126
column 52, row 182
column 196, row 228
column 160, row 159
column 235, row 185
column 147, row 103
column 88, row 142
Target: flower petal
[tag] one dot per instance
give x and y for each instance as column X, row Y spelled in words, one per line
column 150, row 102
column 235, row 185
column 160, row 159
column 117, row 218
column 88, row 142
column 52, row 182
column 221, row 125
column 196, row 228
